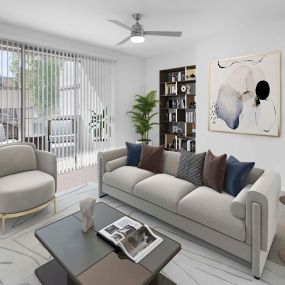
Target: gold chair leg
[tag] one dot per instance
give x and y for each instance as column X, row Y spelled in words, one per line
column 3, row 224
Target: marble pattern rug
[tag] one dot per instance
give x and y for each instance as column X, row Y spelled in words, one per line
column 197, row 263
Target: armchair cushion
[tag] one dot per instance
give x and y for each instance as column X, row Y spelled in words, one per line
column 46, row 162
column 25, row 190
column 17, row 158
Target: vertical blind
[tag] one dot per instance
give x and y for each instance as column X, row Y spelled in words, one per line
column 58, row 100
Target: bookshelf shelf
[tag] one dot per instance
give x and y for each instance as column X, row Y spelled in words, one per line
column 178, row 108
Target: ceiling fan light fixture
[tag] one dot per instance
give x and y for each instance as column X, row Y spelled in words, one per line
column 137, row 31
column 137, row 39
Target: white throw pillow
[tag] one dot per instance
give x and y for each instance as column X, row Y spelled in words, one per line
column 2, row 133
column 238, row 205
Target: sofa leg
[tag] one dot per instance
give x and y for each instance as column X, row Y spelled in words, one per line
column 256, row 277
column 3, row 224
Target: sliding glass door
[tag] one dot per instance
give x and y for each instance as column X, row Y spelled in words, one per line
column 10, row 95
column 57, row 100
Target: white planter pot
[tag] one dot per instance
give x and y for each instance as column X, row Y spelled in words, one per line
column 149, row 142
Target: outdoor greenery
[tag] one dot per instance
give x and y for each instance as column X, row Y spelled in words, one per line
column 99, row 125
column 141, row 114
column 41, row 81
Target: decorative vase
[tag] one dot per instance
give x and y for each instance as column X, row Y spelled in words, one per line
column 87, row 206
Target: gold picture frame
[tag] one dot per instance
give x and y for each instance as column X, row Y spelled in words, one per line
column 244, row 94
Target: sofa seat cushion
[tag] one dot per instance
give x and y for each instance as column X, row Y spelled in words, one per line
column 163, row 190
column 126, row 177
column 213, row 210
column 25, row 190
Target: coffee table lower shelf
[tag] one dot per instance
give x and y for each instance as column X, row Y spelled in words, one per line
column 51, row 273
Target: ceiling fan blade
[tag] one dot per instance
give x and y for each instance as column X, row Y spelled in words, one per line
column 120, row 24
column 163, row 33
column 123, row 41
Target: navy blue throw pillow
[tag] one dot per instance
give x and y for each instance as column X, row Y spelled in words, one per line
column 236, row 175
column 133, row 153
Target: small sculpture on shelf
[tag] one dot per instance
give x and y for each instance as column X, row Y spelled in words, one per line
column 188, row 89
column 87, row 206
column 192, row 105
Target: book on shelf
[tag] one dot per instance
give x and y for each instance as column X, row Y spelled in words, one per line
column 190, row 116
column 172, row 116
column 170, row 89
column 135, row 239
column 185, row 143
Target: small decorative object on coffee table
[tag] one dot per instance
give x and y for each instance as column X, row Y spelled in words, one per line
column 87, row 208
column 282, row 251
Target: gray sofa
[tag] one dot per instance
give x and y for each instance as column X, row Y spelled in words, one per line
column 244, row 226
column 27, row 180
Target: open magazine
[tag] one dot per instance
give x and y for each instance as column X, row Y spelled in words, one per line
column 135, row 239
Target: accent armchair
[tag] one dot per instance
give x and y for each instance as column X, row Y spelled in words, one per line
column 28, row 180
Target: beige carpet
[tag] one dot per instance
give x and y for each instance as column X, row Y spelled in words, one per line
column 76, row 178
column 85, row 175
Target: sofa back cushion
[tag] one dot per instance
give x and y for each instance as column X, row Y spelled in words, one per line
column 191, row 167
column 214, row 171
column 17, row 158
column 254, row 175
column 152, row 158
column 236, row 175
column 133, row 153
column 170, row 162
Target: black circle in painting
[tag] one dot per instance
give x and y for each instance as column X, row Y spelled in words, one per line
column 257, row 101
column 262, row 90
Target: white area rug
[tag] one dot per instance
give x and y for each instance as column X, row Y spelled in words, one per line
column 197, row 263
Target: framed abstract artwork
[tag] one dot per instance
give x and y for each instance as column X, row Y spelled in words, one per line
column 244, row 94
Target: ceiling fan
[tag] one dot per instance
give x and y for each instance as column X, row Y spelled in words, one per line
column 138, row 32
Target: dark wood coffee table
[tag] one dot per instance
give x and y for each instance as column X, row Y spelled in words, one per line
column 87, row 259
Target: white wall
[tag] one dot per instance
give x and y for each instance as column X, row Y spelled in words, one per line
column 181, row 57
column 267, row 152
column 129, row 72
column 136, row 75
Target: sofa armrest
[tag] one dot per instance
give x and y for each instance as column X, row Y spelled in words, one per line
column 103, row 158
column 116, row 163
column 265, row 192
column 46, row 162
column 238, row 205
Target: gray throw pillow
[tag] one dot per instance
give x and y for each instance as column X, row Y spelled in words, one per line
column 190, row 167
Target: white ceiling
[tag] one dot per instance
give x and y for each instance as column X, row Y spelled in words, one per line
column 86, row 20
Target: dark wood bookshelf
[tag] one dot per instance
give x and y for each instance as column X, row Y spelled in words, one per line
column 177, row 112
column 181, row 81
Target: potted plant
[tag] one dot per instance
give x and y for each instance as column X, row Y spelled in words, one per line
column 142, row 114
